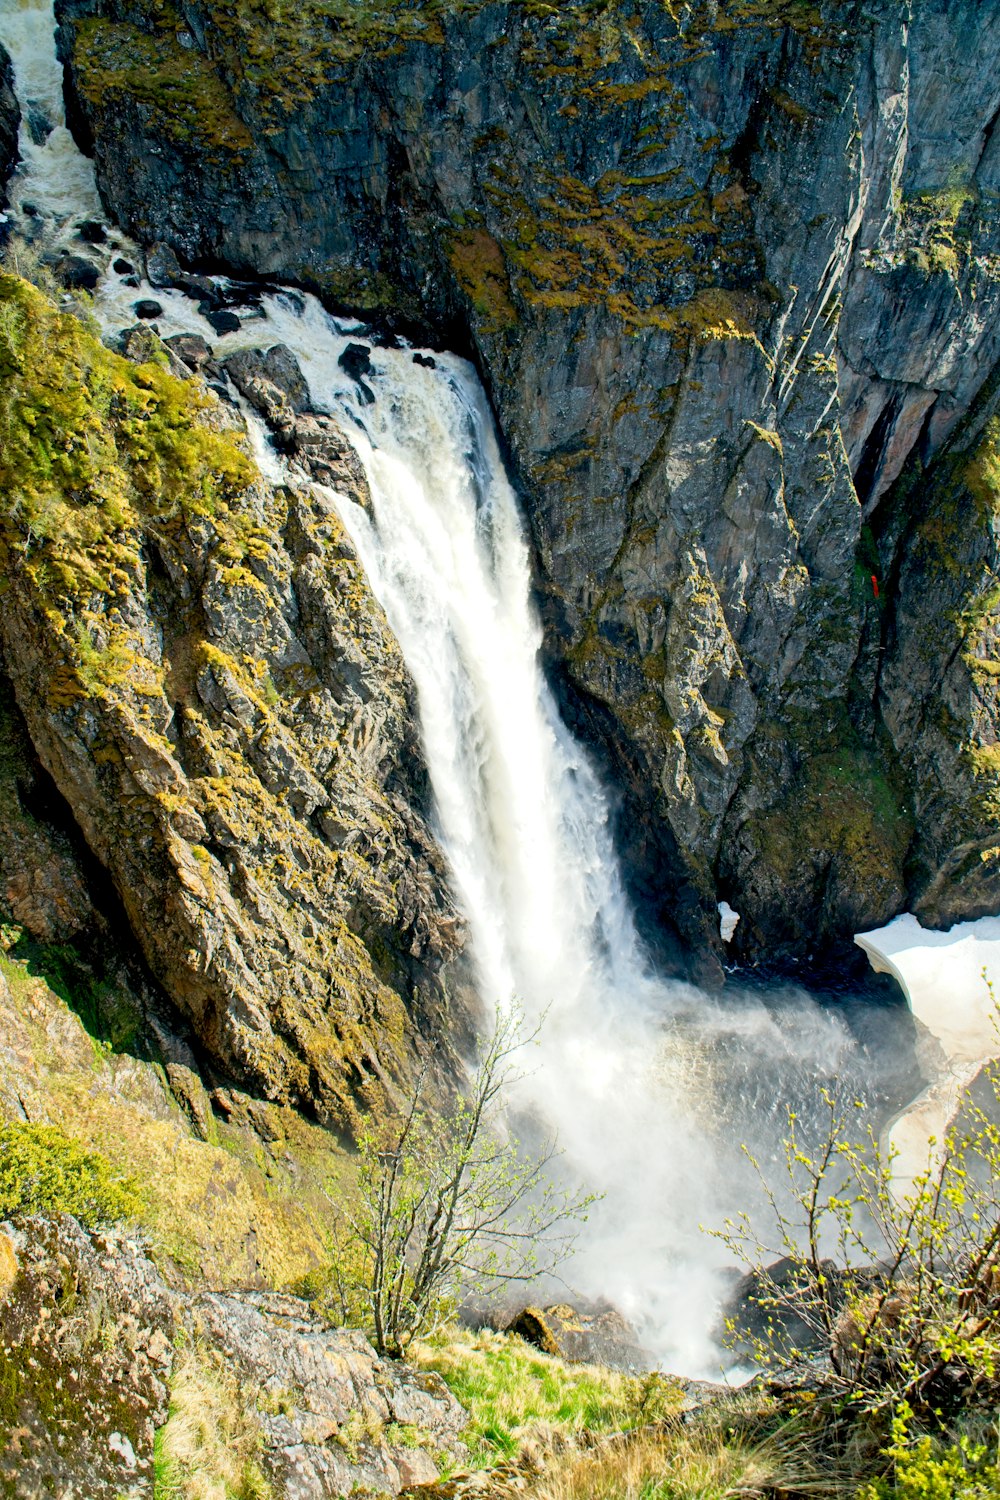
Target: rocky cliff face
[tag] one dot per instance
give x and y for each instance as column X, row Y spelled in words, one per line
column 212, row 688
column 731, row 272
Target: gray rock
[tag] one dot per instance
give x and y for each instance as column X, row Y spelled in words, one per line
column 700, row 360
column 80, row 1409
column 331, row 1411
column 191, row 349
column 273, row 384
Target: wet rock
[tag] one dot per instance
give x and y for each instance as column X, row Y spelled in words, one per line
column 92, row 232
column 148, row 309
column 39, row 124
column 194, row 351
column 326, row 454
column 78, row 273
column 163, row 269
column 10, row 120
column 356, row 360
column 221, row 319
column 427, row 360
column 80, row 1410
column 598, row 1336
column 273, row 384
column 123, row 267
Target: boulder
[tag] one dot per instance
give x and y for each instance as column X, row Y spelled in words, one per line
column 191, row 349
column 597, row 1336
column 273, row 384
column 77, row 272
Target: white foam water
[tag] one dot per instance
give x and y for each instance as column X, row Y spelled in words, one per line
column 649, row 1084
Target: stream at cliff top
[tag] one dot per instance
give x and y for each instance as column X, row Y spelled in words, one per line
column 650, row 1084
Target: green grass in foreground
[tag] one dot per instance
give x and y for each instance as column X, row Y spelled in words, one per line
column 513, row 1393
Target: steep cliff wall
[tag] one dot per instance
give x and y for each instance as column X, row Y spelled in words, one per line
column 731, row 271
column 215, row 692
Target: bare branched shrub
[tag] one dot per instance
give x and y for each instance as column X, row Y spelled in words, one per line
column 448, row 1202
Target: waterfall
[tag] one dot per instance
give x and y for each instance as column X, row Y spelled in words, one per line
column 649, row 1084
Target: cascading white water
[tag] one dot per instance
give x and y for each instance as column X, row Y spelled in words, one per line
column 628, row 1067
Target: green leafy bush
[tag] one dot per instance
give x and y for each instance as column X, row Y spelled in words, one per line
column 926, row 1467
column 42, row 1169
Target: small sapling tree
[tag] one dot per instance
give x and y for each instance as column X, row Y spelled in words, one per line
column 449, row 1202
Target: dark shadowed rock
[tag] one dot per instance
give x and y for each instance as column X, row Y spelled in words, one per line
column 78, row 273
column 92, row 232
column 356, row 360
column 147, row 308
column 221, row 319
column 10, row 119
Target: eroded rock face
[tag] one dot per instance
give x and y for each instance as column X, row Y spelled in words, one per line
column 211, row 685
column 86, row 1349
column 728, row 276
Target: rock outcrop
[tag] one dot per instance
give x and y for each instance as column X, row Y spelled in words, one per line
column 213, row 689
column 10, row 120
column 88, row 1332
column 334, row 1418
column 86, row 1349
column 589, row 1335
column 731, row 273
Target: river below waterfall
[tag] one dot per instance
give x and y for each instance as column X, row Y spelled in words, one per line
column 651, row 1085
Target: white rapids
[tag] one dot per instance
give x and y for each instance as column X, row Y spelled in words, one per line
column 650, row 1085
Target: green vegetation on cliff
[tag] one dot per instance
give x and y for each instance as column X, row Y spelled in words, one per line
column 43, row 1170
column 91, row 448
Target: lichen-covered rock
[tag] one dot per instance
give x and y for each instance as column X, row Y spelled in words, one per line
column 728, row 269
column 87, row 1336
column 210, row 683
column 10, row 120
column 335, row 1417
column 86, row 1348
